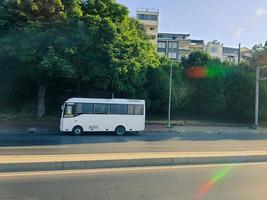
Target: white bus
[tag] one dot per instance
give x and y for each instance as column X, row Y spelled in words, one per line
column 81, row 115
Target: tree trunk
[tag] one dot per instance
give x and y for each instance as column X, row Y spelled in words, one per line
column 78, row 88
column 111, row 89
column 41, row 101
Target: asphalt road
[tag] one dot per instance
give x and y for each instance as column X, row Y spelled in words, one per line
column 56, row 143
column 232, row 182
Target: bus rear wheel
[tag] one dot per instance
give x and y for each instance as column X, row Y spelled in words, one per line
column 120, row 131
column 77, row 131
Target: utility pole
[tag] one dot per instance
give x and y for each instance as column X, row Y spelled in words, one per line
column 170, row 84
column 257, row 97
column 239, row 53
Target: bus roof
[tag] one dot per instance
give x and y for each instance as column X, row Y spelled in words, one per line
column 93, row 100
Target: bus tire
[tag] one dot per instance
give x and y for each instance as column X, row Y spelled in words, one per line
column 77, row 131
column 120, row 131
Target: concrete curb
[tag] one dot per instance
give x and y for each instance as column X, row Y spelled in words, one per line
column 142, row 162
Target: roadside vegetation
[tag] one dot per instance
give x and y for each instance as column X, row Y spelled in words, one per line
column 57, row 49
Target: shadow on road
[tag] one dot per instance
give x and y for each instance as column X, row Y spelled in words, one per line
column 33, row 139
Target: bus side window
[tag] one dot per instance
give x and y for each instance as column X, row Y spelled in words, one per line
column 119, row 109
column 135, row 109
column 83, row 108
column 139, row 109
column 100, row 108
column 78, row 109
column 131, row 109
column 88, row 108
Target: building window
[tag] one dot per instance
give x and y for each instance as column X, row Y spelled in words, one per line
column 183, row 45
column 141, row 16
column 213, row 50
column 147, row 17
column 162, row 45
column 154, row 17
column 173, row 45
column 172, row 55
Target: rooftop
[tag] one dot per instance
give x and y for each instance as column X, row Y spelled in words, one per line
column 148, row 10
column 197, row 41
column 215, row 42
column 176, row 34
column 94, row 100
column 173, row 36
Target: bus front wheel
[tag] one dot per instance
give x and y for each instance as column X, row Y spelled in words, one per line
column 77, row 130
column 120, row 131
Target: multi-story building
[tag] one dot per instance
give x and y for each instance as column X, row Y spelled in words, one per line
column 197, row 45
column 215, row 49
column 246, row 54
column 230, row 54
column 150, row 19
column 175, row 46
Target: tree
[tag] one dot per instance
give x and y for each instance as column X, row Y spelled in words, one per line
column 240, row 93
column 33, row 26
column 112, row 47
column 158, row 87
column 207, row 94
column 90, row 43
column 196, row 59
column 51, row 67
column 224, row 90
column 259, row 55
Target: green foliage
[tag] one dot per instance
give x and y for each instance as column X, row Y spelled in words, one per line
column 259, row 55
column 240, row 93
column 227, row 90
column 83, row 44
column 53, row 66
column 197, row 59
column 158, row 87
column 70, row 47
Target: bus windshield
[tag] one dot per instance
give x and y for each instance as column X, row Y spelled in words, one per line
column 69, row 110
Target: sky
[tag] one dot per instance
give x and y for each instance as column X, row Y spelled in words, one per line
column 228, row 21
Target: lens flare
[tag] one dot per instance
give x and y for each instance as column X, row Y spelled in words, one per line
column 204, row 189
column 197, row 72
column 206, row 72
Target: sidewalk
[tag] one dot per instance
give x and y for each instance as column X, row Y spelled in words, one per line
column 115, row 160
column 206, row 129
column 44, row 127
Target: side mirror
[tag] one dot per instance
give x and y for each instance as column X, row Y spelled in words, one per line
column 62, row 107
